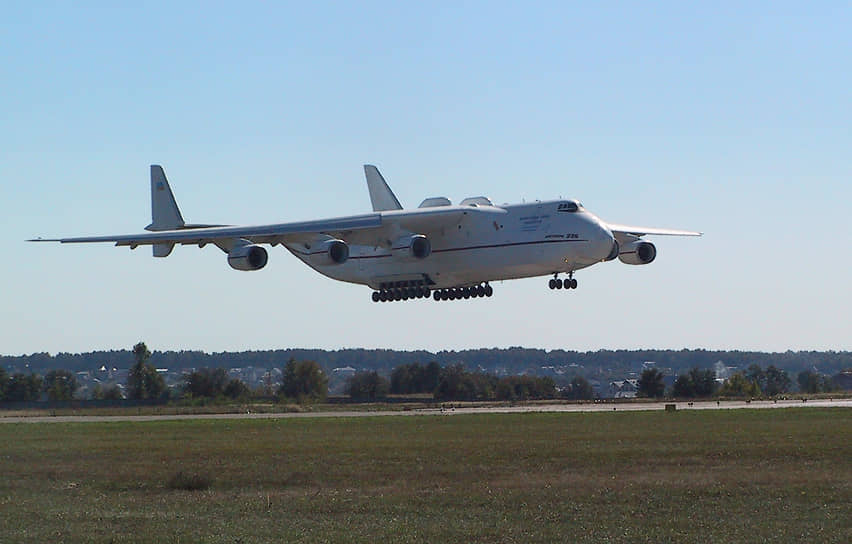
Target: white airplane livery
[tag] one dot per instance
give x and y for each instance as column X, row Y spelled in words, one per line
column 438, row 250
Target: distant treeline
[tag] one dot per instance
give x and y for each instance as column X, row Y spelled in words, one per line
column 305, row 381
column 455, row 383
column 507, row 361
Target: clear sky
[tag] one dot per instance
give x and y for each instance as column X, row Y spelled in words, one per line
column 730, row 118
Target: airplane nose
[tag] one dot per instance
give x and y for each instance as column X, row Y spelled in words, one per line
column 605, row 245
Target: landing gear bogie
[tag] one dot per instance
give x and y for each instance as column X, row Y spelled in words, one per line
column 567, row 283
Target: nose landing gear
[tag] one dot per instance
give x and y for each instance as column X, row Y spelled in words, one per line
column 557, row 283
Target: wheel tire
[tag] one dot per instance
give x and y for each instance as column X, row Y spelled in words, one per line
column 559, row 284
column 489, row 290
column 573, row 284
column 375, row 296
column 552, row 284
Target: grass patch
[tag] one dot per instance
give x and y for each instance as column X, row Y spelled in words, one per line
column 727, row 476
column 189, row 481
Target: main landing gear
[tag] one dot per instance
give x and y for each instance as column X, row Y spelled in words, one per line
column 456, row 293
column 569, row 283
column 400, row 293
column 411, row 292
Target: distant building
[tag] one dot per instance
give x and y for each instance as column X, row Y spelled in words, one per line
column 624, row 389
column 843, row 380
column 723, row 372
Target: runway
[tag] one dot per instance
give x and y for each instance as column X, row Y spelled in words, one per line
column 530, row 408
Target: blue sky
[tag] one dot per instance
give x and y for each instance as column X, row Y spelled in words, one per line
column 729, row 119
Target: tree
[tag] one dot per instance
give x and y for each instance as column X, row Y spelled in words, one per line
column 579, row 389
column 415, row 378
column 696, row 383
column 108, row 392
column 651, row 383
column 811, row 382
column 683, row 387
column 4, row 383
column 237, row 389
column 756, row 375
column 59, row 385
column 303, row 380
column 704, row 381
column 525, row 388
column 777, row 381
column 23, row 387
column 367, row 386
column 143, row 380
column 739, row 386
column 458, row 384
column 808, row 382
column 205, row 382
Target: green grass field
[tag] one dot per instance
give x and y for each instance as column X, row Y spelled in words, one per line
column 691, row 476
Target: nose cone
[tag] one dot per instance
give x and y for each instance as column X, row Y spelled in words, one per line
column 602, row 244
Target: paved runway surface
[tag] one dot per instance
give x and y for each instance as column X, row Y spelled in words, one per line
column 598, row 407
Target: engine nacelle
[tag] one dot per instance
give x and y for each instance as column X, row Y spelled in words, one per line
column 248, row 257
column 334, row 252
column 613, row 253
column 638, row 252
column 414, row 247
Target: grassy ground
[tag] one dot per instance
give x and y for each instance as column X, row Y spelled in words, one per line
column 692, row 476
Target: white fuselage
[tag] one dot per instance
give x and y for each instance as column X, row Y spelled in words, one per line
column 531, row 239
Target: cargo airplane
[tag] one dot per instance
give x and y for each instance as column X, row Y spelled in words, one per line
column 439, row 250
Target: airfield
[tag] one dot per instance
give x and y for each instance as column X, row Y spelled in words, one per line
column 737, row 472
column 449, row 410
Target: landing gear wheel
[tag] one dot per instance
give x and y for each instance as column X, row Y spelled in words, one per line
column 552, row 284
column 375, row 296
column 558, row 283
column 489, row 290
column 573, row 283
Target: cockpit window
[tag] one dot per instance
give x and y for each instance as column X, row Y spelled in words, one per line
column 569, row 206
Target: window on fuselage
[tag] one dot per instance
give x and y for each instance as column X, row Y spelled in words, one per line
column 570, row 206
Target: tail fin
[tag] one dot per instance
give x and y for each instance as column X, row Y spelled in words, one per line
column 380, row 194
column 165, row 214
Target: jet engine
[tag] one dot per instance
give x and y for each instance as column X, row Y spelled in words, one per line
column 613, row 253
column 247, row 257
column 334, row 252
column 414, row 247
column 638, row 252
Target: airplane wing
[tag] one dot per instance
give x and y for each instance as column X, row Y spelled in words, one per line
column 374, row 228
column 628, row 231
column 261, row 234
